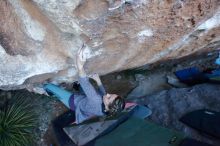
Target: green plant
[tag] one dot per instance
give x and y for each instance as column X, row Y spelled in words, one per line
column 17, row 121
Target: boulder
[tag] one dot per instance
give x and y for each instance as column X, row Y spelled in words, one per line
column 39, row 39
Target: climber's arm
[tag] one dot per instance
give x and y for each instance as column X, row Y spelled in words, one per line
column 87, row 87
column 99, row 83
column 80, row 61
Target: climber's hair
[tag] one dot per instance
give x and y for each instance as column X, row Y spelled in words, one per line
column 117, row 106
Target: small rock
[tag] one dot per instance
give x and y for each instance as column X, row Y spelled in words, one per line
column 174, row 81
column 118, row 77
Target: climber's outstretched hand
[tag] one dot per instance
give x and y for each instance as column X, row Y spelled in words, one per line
column 81, row 60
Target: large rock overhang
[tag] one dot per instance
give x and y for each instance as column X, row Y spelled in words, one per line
column 39, row 39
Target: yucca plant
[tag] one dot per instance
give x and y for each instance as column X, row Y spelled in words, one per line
column 17, row 121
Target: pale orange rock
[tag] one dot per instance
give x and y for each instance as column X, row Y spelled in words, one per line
column 39, row 39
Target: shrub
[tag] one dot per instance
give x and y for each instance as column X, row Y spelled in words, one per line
column 17, row 121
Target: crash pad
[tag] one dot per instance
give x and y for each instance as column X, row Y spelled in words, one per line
column 87, row 131
column 84, row 133
column 205, row 121
column 139, row 132
column 191, row 76
column 193, row 142
column 141, row 112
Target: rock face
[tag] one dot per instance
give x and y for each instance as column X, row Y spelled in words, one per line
column 39, row 39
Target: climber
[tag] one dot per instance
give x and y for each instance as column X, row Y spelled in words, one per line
column 90, row 103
